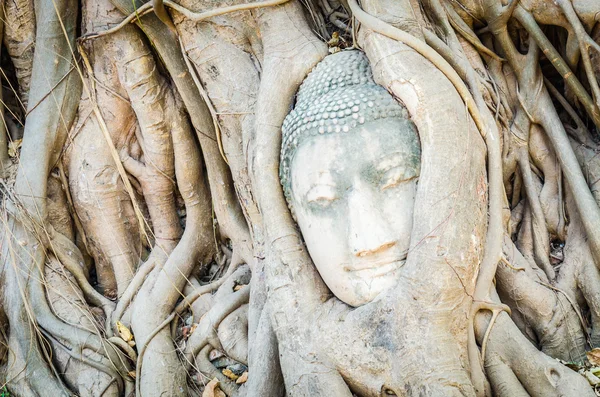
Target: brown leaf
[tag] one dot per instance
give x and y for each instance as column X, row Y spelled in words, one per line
column 13, row 147
column 335, row 40
column 593, row 357
column 238, row 287
column 124, row 332
column 229, row 373
column 243, row 378
column 212, row 389
column 131, row 374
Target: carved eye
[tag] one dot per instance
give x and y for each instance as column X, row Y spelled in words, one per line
column 396, row 176
column 322, row 195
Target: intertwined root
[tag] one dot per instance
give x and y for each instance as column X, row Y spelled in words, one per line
column 156, row 203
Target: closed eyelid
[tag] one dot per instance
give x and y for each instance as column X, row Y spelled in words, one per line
column 323, row 191
column 396, row 175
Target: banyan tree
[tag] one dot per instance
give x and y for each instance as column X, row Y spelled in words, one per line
column 300, row 198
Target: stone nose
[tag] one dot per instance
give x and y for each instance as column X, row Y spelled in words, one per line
column 368, row 234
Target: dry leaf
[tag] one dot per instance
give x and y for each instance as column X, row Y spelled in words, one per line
column 594, row 357
column 13, row 147
column 243, row 378
column 124, row 332
column 213, row 390
column 238, row 287
column 132, row 374
column 335, row 40
column 229, row 373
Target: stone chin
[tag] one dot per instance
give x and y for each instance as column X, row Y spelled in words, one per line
column 363, row 286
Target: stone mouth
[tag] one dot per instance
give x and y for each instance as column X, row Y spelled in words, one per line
column 377, row 268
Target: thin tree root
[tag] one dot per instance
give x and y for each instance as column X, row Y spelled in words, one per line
column 70, row 257
column 138, row 368
column 78, row 338
column 193, row 16
column 205, row 366
column 585, row 42
column 426, row 51
column 114, row 152
column 475, row 359
column 583, row 134
column 529, row 23
column 77, row 354
column 205, row 333
column 163, row 15
column 461, row 27
column 540, row 236
column 584, row 324
column 208, row 288
column 124, row 346
column 207, row 100
column 507, row 263
column 133, row 288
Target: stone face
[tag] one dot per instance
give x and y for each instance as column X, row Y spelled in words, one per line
column 350, row 162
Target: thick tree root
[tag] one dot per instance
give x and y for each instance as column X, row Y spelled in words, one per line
column 533, row 371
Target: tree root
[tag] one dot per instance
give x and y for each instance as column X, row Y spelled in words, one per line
column 27, row 366
column 121, row 344
column 489, row 131
column 541, row 242
column 585, row 43
column 206, row 331
column 68, row 254
column 496, row 309
column 533, row 371
column 20, row 39
column 189, row 299
column 582, row 134
column 144, row 347
column 292, row 313
column 206, row 367
column 193, row 16
column 226, row 205
column 422, row 48
column 79, row 355
column 266, row 379
column 561, row 66
column 136, row 283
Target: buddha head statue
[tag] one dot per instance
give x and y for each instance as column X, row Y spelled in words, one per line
column 350, row 160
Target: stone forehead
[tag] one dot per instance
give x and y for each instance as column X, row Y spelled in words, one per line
column 337, row 96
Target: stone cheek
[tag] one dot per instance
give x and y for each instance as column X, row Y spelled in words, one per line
column 338, row 95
